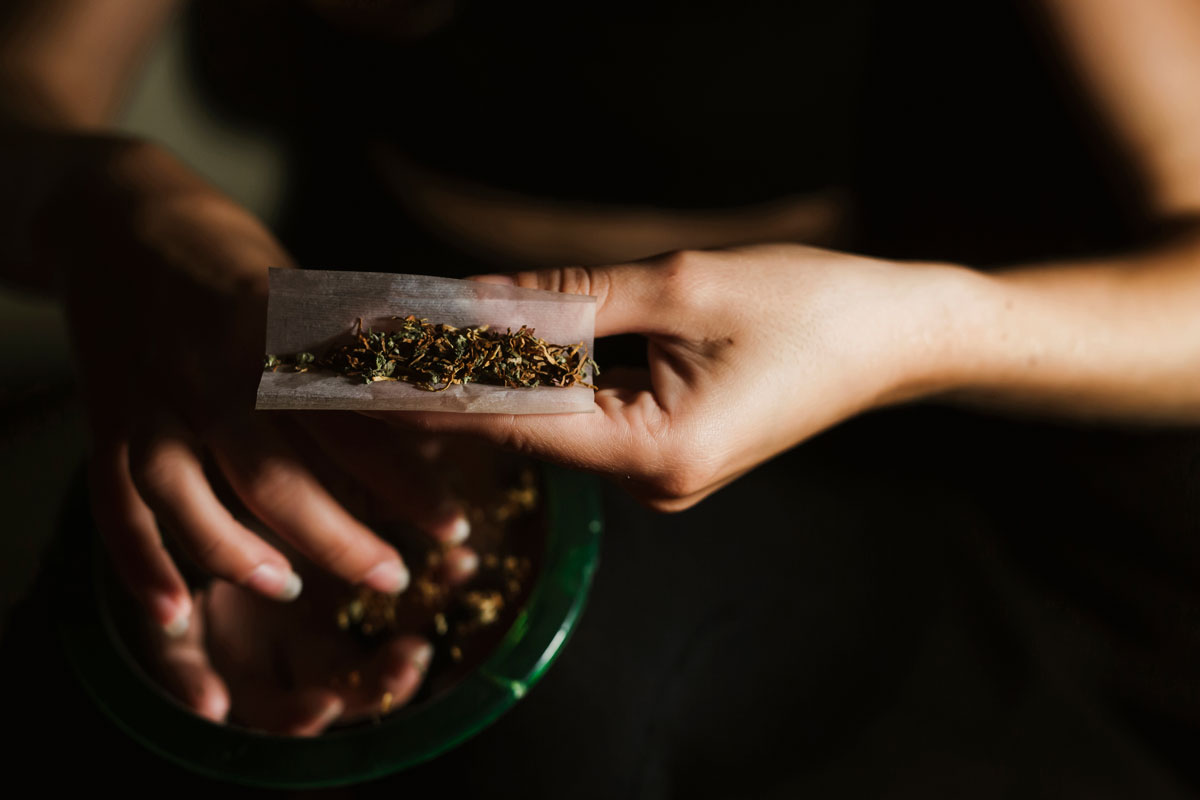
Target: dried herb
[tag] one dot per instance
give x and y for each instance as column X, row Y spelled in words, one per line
column 435, row 357
column 462, row 621
column 502, row 579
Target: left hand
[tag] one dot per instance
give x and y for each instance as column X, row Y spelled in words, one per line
column 288, row 669
column 751, row 350
column 165, row 282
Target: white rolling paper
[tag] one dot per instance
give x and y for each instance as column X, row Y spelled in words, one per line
column 311, row 310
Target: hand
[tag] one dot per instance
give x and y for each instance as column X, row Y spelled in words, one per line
column 287, row 669
column 165, row 286
column 751, row 351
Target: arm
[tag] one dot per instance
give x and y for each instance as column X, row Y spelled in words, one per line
column 65, row 66
column 1116, row 337
column 164, row 282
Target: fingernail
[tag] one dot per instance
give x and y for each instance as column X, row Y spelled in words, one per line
column 388, row 576
column 292, row 587
column 178, row 626
column 212, row 704
column 460, row 527
column 419, row 654
column 461, row 564
column 178, row 613
column 274, row 581
column 332, row 712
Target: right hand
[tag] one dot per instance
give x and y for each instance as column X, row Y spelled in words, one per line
column 165, row 286
column 751, row 350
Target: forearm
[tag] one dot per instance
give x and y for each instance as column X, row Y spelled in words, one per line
column 64, row 67
column 1115, row 338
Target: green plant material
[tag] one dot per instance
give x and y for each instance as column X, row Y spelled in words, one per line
column 435, row 357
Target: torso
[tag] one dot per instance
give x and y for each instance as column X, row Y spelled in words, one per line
column 606, row 136
column 533, row 136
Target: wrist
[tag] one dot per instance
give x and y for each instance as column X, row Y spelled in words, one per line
column 106, row 174
column 136, row 194
column 39, row 166
column 937, row 348
column 95, row 180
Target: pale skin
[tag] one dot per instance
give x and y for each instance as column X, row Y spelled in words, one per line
column 1111, row 339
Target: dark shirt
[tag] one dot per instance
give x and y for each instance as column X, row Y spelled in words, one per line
column 919, row 603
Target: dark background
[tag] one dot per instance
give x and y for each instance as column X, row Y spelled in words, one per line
column 924, row 602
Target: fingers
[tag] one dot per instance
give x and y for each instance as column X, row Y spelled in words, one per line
column 132, row 538
column 633, row 436
column 171, row 480
column 459, row 565
column 400, row 477
column 182, row 665
column 630, row 298
column 275, row 486
column 270, row 708
column 389, row 680
column 262, row 659
column 668, row 455
column 622, row 439
column 663, row 437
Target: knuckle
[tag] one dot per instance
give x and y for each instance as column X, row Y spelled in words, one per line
column 338, row 554
column 676, row 484
column 155, row 467
column 682, row 285
column 269, row 485
column 515, row 438
column 577, row 280
column 665, row 505
column 569, row 280
column 675, row 262
column 679, row 461
column 685, row 471
column 212, row 553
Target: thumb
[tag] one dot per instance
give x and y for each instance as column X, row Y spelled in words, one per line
column 630, row 298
